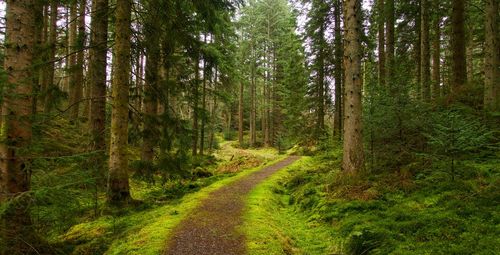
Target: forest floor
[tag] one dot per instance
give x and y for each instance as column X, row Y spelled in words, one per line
column 213, row 228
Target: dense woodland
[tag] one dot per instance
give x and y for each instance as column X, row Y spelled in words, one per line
column 113, row 112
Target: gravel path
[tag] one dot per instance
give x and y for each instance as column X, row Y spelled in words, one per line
column 212, row 227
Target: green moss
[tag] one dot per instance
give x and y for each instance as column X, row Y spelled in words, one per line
column 272, row 227
column 142, row 230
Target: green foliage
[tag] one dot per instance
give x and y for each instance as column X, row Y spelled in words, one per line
column 454, row 134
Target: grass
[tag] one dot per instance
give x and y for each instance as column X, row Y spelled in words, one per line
column 143, row 230
column 274, row 227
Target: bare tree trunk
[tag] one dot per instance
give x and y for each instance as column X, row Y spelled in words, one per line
column 77, row 88
column 118, row 183
column 253, row 106
column 492, row 58
column 337, row 130
column 195, row 106
column 381, row 43
column 418, row 51
column 436, row 53
column 72, row 48
column 152, row 41
column 240, row 115
column 49, row 85
column 97, row 70
column 15, row 226
column 203, row 105
column 425, row 71
column 353, row 157
column 320, row 124
column 459, row 69
column 389, row 53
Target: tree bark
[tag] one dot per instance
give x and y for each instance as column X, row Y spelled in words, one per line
column 353, row 152
column 418, row 51
column 97, row 70
column 152, row 41
column 195, row 106
column 381, row 43
column 492, row 58
column 72, row 48
column 436, row 52
column 320, row 100
column 337, row 130
column 240, row 115
column 118, row 183
column 203, row 105
column 49, row 85
column 389, row 53
column 459, row 69
column 79, row 69
column 15, row 172
column 425, row 74
column 253, row 106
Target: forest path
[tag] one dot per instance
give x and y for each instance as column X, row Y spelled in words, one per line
column 212, row 228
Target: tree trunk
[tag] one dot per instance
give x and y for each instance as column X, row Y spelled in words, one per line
column 77, row 88
column 49, row 85
column 195, row 106
column 97, row 70
column 425, row 72
column 118, row 183
column 492, row 58
column 418, row 51
column 20, row 38
column 152, row 41
column 436, row 52
column 353, row 157
column 337, row 129
column 320, row 124
column 240, row 115
column 203, row 105
column 72, row 48
column 381, row 43
column 390, row 66
column 253, row 106
column 459, row 69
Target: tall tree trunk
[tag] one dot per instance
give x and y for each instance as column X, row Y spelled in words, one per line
column 240, row 115
column 469, row 53
column 436, row 51
column 381, row 43
column 97, row 70
column 459, row 69
column 71, row 51
column 492, row 58
column 49, row 85
column 425, row 71
column 389, row 51
column 152, row 41
column 337, row 130
column 195, row 106
column 320, row 124
column 353, row 157
column 15, row 177
column 118, row 183
column 253, row 107
column 418, row 51
column 203, row 105
column 77, row 88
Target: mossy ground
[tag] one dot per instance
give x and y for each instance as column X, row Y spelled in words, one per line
column 312, row 208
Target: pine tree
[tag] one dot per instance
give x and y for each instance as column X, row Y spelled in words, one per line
column 118, row 183
column 353, row 158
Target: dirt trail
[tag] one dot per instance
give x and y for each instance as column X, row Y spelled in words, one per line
column 212, row 227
